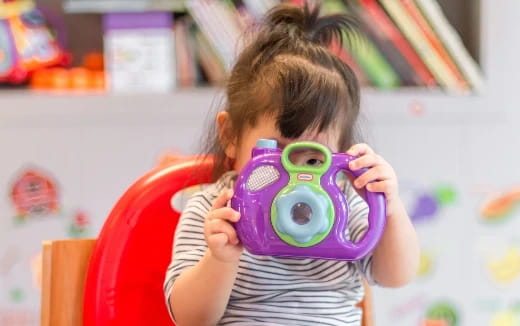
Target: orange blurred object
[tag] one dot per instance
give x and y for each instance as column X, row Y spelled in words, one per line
column 98, row 80
column 59, row 79
column 63, row 79
column 80, row 78
column 41, row 79
column 94, row 61
column 89, row 77
column 501, row 205
column 435, row 322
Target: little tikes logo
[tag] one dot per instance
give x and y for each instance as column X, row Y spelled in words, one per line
column 304, row 177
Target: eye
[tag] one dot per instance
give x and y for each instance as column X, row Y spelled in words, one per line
column 314, row 162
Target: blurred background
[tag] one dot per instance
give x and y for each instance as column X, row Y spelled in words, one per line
column 94, row 93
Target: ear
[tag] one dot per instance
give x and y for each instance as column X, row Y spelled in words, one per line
column 226, row 139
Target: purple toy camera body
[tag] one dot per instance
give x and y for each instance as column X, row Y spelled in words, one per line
column 299, row 211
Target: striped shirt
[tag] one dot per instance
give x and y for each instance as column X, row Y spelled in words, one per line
column 278, row 291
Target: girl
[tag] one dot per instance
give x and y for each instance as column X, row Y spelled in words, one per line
column 286, row 85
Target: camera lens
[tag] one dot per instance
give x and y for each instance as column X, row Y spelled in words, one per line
column 301, row 213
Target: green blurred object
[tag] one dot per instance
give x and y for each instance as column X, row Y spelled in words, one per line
column 76, row 232
column 443, row 311
column 516, row 307
column 17, row 295
column 445, row 194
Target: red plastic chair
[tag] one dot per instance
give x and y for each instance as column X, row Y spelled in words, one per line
column 129, row 261
column 123, row 285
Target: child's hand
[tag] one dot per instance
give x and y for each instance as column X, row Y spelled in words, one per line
column 220, row 235
column 380, row 176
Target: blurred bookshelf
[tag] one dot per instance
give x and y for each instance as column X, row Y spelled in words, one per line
column 202, row 58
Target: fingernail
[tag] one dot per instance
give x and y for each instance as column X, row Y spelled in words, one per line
column 352, row 164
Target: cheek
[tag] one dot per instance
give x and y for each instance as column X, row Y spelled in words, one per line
column 243, row 156
column 241, row 161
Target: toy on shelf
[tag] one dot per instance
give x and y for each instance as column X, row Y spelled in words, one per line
column 298, row 210
column 88, row 78
column 139, row 52
column 26, row 43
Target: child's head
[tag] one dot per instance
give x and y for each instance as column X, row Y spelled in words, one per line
column 287, row 85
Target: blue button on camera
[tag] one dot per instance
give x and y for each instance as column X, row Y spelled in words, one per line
column 267, row 143
column 302, row 214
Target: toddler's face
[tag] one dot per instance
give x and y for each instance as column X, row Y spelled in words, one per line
column 266, row 128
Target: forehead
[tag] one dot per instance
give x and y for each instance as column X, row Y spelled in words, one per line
column 266, row 128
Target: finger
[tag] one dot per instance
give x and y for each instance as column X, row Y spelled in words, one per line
column 378, row 173
column 360, row 149
column 222, row 200
column 221, row 226
column 224, row 213
column 217, row 240
column 366, row 161
column 380, row 186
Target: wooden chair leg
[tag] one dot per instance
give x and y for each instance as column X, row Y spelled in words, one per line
column 367, row 318
column 64, row 268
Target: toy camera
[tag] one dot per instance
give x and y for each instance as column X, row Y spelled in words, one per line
column 298, row 210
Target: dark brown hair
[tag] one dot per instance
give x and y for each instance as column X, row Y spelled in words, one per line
column 287, row 71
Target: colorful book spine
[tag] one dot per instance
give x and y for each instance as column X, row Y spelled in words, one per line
column 366, row 54
column 394, row 34
column 406, row 72
column 451, row 40
column 421, row 22
column 209, row 61
column 342, row 53
column 258, row 8
column 186, row 65
column 220, row 25
column 431, row 58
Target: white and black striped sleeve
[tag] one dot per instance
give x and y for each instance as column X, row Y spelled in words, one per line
column 189, row 244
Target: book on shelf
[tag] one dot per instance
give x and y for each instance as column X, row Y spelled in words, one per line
column 434, row 40
column 210, row 63
column 186, row 63
column 339, row 49
column 219, row 22
column 439, row 68
column 389, row 31
column 376, row 32
column 258, row 8
column 342, row 53
column 452, row 41
column 365, row 52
